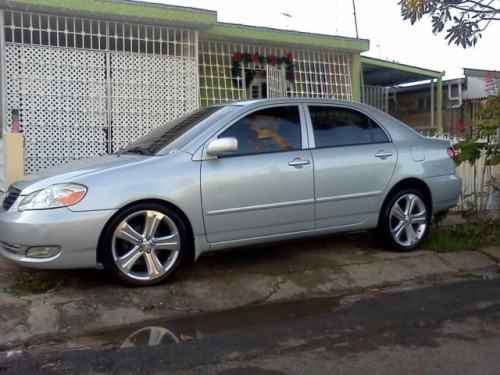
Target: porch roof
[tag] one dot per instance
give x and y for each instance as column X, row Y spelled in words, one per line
column 389, row 74
column 199, row 19
column 252, row 34
column 121, row 10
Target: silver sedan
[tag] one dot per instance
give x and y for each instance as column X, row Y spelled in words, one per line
column 238, row 174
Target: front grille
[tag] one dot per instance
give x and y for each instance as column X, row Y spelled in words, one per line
column 11, row 248
column 10, row 197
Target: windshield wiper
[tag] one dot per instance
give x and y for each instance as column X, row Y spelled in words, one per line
column 137, row 150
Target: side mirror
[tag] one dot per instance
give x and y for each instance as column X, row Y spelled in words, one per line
column 222, row 146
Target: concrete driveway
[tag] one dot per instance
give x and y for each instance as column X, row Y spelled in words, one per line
column 84, row 301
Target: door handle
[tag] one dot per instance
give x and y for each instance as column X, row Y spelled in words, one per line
column 383, row 154
column 298, row 162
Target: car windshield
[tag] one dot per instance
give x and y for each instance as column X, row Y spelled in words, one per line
column 160, row 137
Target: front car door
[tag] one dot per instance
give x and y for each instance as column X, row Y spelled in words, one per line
column 354, row 161
column 265, row 188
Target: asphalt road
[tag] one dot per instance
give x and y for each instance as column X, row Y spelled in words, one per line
column 451, row 328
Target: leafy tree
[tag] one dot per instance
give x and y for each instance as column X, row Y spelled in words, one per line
column 465, row 19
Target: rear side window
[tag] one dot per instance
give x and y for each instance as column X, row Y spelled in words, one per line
column 267, row 130
column 343, row 127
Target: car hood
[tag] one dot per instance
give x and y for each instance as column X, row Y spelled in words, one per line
column 68, row 171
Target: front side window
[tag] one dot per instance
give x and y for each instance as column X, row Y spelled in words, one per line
column 267, row 130
column 343, row 127
column 153, row 142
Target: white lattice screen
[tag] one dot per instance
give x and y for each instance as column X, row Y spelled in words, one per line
column 148, row 91
column 317, row 73
column 61, row 98
column 85, row 87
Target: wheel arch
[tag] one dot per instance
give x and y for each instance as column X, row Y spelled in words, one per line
column 190, row 256
column 409, row 183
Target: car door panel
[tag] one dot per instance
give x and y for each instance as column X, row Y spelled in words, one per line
column 265, row 187
column 349, row 182
column 354, row 161
column 257, row 195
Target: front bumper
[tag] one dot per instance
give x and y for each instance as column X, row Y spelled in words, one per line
column 75, row 233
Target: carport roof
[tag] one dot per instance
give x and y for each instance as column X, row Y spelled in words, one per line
column 388, row 74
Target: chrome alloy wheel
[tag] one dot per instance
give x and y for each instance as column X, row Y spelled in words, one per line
column 408, row 220
column 145, row 245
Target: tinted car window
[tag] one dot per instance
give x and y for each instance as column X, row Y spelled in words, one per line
column 268, row 130
column 341, row 127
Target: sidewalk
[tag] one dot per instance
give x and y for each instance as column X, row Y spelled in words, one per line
column 86, row 300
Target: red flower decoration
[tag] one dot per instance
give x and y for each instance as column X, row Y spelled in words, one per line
column 246, row 57
column 271, row 60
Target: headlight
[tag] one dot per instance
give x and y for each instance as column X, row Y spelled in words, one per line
column 60, row 195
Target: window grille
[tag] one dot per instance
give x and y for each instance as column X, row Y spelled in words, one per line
column 216, row 82
column 81, row 33
column 317, row 73
column 374, row 96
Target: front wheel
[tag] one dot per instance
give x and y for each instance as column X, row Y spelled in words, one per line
column 405, row 221
column 144, row 244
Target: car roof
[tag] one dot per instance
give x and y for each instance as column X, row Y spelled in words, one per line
column 255, row 103
column 291, row 100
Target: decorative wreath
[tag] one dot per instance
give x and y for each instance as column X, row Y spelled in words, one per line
column 272, row 60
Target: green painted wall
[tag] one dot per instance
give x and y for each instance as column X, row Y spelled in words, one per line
column 356, row 77
column 439, row 105
column 123, row 9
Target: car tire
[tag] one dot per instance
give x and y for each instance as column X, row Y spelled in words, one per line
column 405, row 220
column 144, row 244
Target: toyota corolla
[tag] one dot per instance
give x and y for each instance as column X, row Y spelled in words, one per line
column 227, row 176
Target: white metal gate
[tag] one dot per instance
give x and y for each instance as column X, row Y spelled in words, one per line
column 86, row 87
column 276, row 86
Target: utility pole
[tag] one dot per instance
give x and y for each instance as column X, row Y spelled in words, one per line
column 355, row 18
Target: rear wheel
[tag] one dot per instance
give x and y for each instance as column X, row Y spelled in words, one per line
column 405, row 221
column 144, row 244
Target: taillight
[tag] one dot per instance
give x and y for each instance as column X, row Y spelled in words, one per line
column 451, row 153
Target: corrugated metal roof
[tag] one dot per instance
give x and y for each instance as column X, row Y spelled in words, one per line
column 475, row 88
column 479, row 87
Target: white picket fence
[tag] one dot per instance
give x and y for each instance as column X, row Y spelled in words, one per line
column 477, row 187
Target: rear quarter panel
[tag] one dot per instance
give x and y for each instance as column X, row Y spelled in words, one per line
column 425, row 159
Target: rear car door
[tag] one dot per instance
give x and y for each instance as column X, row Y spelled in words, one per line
column 354, row 160
column 266, row 187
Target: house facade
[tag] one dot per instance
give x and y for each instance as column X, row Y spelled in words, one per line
column 86, row 77
column 460, row 99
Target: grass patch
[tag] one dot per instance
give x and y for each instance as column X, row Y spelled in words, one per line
column 34, row 284
column 463, row 237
